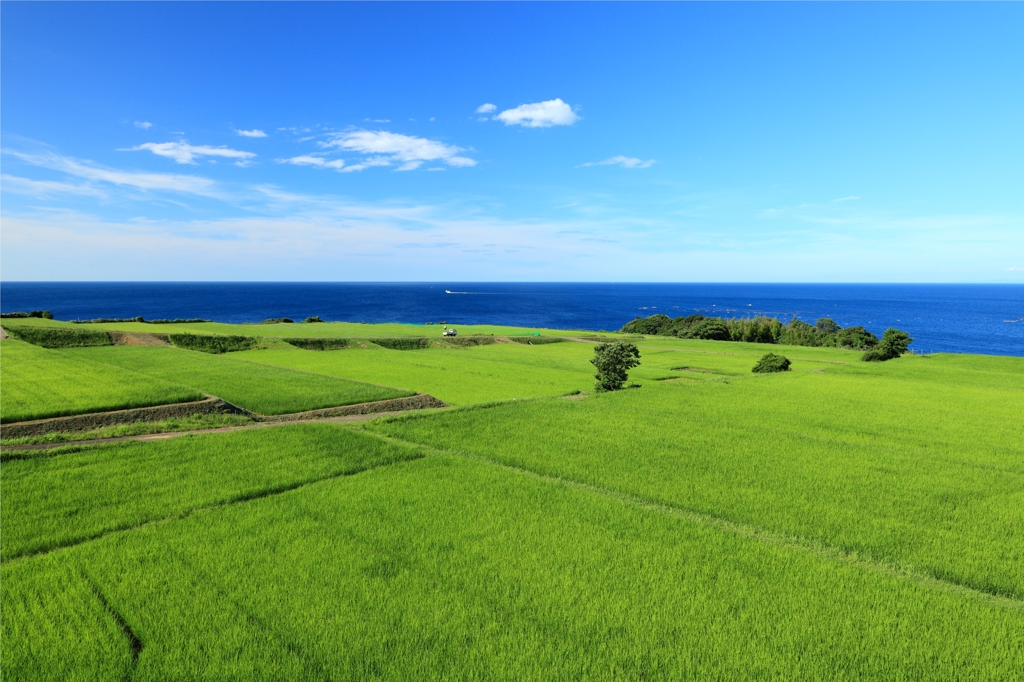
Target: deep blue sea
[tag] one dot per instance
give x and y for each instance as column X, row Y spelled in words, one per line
column 958, row 318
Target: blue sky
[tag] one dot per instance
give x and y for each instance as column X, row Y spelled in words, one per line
column 545, row 142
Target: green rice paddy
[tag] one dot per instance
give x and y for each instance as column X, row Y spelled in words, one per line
column 844, row 520
column 39, row 383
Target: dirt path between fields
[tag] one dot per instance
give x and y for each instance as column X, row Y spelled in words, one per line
column 220, row 429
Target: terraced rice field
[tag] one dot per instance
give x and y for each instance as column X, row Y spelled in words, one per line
column 257, row 387
column 844, row 520
column 39, row 383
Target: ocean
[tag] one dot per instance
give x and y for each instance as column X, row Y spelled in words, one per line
column 954, row 318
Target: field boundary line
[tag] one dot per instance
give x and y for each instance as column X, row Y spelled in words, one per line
column 134, row 642
column 794, row 542
column 237, row 499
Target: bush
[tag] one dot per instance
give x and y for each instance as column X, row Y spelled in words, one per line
column 315, row 318
column 42, row 314
column 655, row 324
column 856, row 338
column 613, row 361
column 13, row 315
column 319, row 344
column 711, row 329
column 278, row 320
column 402, row 343
column 49, row 337
column 213, row 344
column 771, row 362
column 894, row 343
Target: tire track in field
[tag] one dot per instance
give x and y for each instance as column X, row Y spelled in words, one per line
column 133, row 640
column 240, row 498
column 792, row 542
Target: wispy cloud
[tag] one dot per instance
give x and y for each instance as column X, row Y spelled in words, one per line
column 378, row 120
column 624, row 161
column 190, row 184
column 1015, row 269
column 255, row 132
column 404, row 151
column 836, row 201
column 145, row 125
column 486, row 108
column 553, row 112
column 46, row 188
column 185, row 153
column 317, row 161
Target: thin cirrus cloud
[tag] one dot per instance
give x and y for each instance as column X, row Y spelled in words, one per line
column 553, row 112
column 623, row 161
column 189, row 184
column 185, row 153
column 406, row 152
column 255, row 132
column 145, row 125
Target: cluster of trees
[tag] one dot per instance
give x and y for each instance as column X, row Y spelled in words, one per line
column 42, row 314
column 824, row 332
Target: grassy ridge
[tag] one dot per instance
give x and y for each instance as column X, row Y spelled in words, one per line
column 257, row 387
column 40, row 383
column 882, row 464
column 443, row 568
column 459, row 376
column 56, row 500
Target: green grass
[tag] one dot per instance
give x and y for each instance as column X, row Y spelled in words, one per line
column 55, row 500
column 40, row 383
column 450, row 569
column 844, row 520
column 881, row 463
column 459, row 376
column 257, row 387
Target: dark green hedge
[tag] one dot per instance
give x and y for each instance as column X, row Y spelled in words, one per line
column 402, row 343
column 213, row 344
column 318, row 344
column 536, row 340
column 49, row 337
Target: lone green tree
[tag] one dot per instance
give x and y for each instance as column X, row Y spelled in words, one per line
column 613, row 362
column 894, row 343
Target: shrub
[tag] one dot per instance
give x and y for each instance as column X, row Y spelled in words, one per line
column 49, row 337
column 13, row 315
column 613, row 361
column 319, row 344
column 655, row 324
column 894, row 343
column 402, row 343
column 278, row 320
column 712, row 329
column 315, row 318
column 213, row 344
column 770, row 362
column 857, row 338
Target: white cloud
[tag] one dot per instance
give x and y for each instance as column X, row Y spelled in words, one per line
column 1015, row 269
column 624, row 161
column 183, row 152
column 255, row 132
column 145, row 125
column 378, row 120
column 145, row 181
column 553, row 112
column 405, row 151
column 486, row 108
column 317, row 161
column 45, row 188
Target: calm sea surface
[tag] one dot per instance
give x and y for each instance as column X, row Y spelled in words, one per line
column 941, row 317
